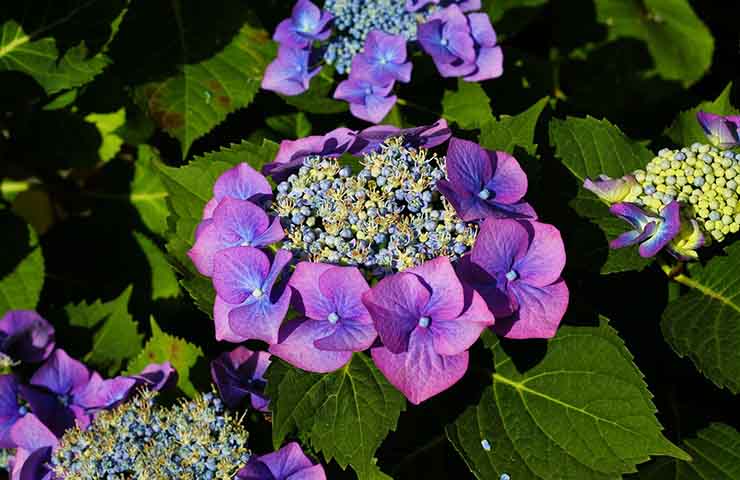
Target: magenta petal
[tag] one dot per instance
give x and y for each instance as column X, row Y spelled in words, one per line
column 29, row 433
column 157, row 376
column 451, row 337
column 221, row 311
column 207, row 243
column 447, row 298
column 545, row 258
column 239, row 271
column 509, row 182
column 396, row 304
column 242, row 182
column 260, row 320
column 489, row 64
column 481, row 29
column 420, row 373
column 540, row 311
column 207, row 212
column 310, row 300
column 500, row 243
column 296, row 346
column 100, row 393
column 344, row 287
column 349, row 335
column 61, row 374
column 490, row 289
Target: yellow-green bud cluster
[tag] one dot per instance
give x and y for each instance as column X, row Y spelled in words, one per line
column 193, row 440
column 705, row 180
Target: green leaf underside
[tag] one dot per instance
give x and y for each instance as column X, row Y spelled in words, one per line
column 469, row 106
column 164, row 283
column 189, row 188
column 511, row 131
column 679, row 42
column 20, row 289
column 162, row 347
column 583, row 412
column 345, row 414
column 117, row 339
column 686, row 130
column 148, row 195
column 589, row 147
column 200, row 97
column 704, row 324
column 39, row 58
column 715, row 453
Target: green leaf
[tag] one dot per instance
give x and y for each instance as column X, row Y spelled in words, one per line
column 345, row 414
column 513, row 131
column 583, row 411
column 162, row 347
column 22, row 265
column 317, row 99
column 164, row 282
column 704, row 324
column 190, row 187
column 715, row 455
column 686, row 130
column 107, row 124
column 469, row 106
column 679, row 42
column 118, row 338
column 291, row 125
column 39, row 58
column 191, row 103
column 148, row 195
column 589, row 147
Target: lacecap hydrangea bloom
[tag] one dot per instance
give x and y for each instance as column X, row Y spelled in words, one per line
column 387, row 255
column 370, row 40
column 683, row 199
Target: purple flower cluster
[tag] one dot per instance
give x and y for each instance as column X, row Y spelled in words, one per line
column 461, row 46
column 418, row 323
column 61, row 394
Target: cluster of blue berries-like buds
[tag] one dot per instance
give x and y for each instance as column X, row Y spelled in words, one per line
column 388, row 217
column 189, row 441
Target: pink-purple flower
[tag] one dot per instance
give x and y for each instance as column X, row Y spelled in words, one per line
column 367, row 100
column 25, row 336
column 427, row 321
column 288, row 463
column 722, row 131
column 241, row 182
column 290, row 73
column 239, row 377
column 306, row 24
column 335, row 322
column 651, row 231
column 383, row 59
column 482, row 183
column 516, row 265
column 447, row 38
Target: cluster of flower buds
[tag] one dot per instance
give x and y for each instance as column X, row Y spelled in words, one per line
column 61, row 394
column 370, row 44
column 193, row 440
column 428, row 305
column 683, row 198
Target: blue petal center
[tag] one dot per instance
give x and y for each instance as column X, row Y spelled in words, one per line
column 424, row 322
column 511, row 275
column 484, row 194
column 333, row 318
column 257, row 293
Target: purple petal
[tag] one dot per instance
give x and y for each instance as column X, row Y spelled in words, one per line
column 611, row 190
column 540, row 311
column 239, row 272
column 157, row 376
column 447, row 297
column 454, row 336
column 430, row 37
column 489, row 64
column 207, row 212
column 49, row 409
column 29, row 433
column 723, row 131
column 26, row 336
column 349, row 335
column 101, row 394
column 428, row 136
column 35, row 465
column 383, row 59
column 9, row 409
column 61, row 374
column 482, row 30
column 492, row 290
column 343, row 287
column 545, row 257
column 306, row 24
column 296, row 346
column 468, row 166
column 633, row 214
column 260, row 320
column 375, row 108
column 414, row 5
column 221, row 311
column 420, row 373
column 499, row 245
column 509, row 182
column 239, row 375
column 666, row 231
column 242, row 182
column 289, row 73
column 288, row 463
column 310, row 300
column 633, row 237
column 396, row 304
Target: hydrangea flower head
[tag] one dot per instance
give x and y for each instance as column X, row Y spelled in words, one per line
column 614, row 190
column 515, row 266
column 290, row 73
column 482, row 183
column 652, row 232
column 25, row 336
column 239, row 376
column 306, row 24
column 723, row 131
column 244, row 278
column 336, row 323
column 448, row 39
column 426, row 321
column 287, row 463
